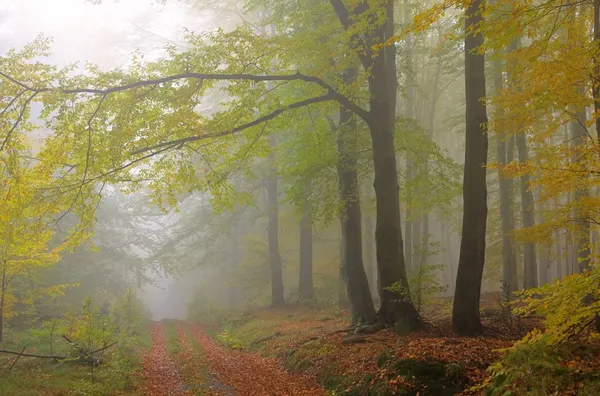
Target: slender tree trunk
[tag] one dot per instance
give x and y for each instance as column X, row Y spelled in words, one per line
column 305, row 286
column 342, row 295
column 528, row 212
column 369, row 257
column 582, row 233
column 527, row 202
column 465, row 313
column 432, row 112
column 559, row 257
column 409, row 224
column 357, row 286
column 596, row 79
column 509, row 260
column 2, row 301
column 277, row 299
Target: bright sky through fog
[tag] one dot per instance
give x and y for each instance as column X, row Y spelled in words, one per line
column 103, row 34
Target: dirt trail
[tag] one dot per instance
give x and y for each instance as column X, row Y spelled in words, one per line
column 250, row 374
column 161, row 375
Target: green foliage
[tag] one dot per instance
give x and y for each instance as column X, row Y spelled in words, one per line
column 227, row 338
column 424, row 280
column 540, row 368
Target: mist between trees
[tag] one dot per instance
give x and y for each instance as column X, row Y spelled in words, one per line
column 383, row 158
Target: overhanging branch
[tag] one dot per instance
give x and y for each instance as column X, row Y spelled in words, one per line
column 180, row 142
column 202, row 76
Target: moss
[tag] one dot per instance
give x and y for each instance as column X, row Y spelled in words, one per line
column 431, row 377
column 383, row 359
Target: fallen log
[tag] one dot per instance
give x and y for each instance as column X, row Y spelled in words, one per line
column 86, row 357
column 267, row 338
column 33, row 355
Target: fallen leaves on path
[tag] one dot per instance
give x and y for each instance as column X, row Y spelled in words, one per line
column 250, row 374
column 194, row 370
column 160, row 371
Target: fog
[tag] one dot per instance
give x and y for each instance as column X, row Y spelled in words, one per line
column 195, row 261
column 254, row 222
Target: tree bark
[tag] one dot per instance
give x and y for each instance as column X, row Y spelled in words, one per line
column 395, row 307
column 305, row 286
column 277, row 299
column 465, row 313
column 357, row 286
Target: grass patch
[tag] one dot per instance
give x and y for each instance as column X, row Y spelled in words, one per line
column 172, row 338
column 34, row 378
column 539, row 369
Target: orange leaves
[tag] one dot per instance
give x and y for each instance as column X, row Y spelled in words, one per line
column 250, row 374
column 160, row 372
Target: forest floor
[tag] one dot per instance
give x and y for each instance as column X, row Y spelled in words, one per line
column 307, row 351
column 310, row 351
column 184, row 360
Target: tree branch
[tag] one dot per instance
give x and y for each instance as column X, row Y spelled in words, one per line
column 202, row 76
column 180, row 142
column 344, row 17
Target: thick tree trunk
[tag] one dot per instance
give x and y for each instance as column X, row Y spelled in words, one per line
column 509, row 259
column 357, row 286
column 465, row 313
column 305, row 286
column 391, row 268
column 277, row 299
column 395, row 307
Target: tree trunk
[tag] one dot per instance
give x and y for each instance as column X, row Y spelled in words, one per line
column 509, row 260
column 342, row 295
column 357, row 286
column 465, row 312
column 370, row 265
column 559, row 256
column 596, row 78
column 409, row 224
column 527, row 202
column 305, row 286
column 582, row 233
column 391, row 268
column 528, row 213
column 277, row 299
column 432, row 112
column 395, row 307
column 3, row 287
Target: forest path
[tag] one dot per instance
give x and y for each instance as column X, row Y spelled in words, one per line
column 185, row 361
column 161, row 374
column 250, row 374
